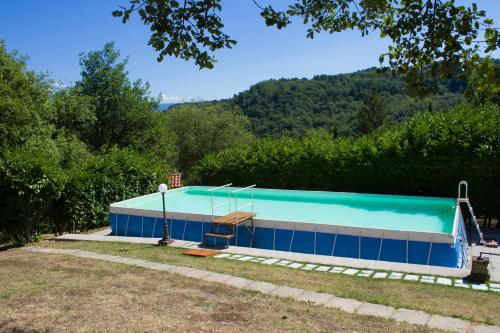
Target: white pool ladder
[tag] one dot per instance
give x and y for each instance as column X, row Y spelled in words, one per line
column 465, row 199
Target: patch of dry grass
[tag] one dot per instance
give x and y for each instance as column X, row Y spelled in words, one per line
column 454, row 302
column 56, row 293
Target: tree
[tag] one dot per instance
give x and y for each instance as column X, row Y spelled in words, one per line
column 73, row 113
column 484, row 83
column 122, row 108
column 372, row 114
column 430, row 38
column 205, row 128
column 49, row 180
column 159, row 142
column 24, row 106
column 294, row 106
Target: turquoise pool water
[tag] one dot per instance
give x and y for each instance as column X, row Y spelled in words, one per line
column 406, row 213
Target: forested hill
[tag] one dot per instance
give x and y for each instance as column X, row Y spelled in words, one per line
column 332, row 101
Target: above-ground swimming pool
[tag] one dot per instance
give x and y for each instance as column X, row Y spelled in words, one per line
column 417, row 230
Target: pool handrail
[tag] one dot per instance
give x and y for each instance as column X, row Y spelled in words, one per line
column 218, row 187
column 236, row 199
column 226, row 202
column 243, row 188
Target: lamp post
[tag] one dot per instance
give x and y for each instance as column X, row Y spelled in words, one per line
column 165, row 240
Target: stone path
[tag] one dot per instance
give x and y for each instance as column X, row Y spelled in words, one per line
column 367, row 273
column 327, row 300
column 291, row 256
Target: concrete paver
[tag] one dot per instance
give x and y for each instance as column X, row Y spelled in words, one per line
column 309, row 267
column 350, row 271
column 314, row 297
column 380, row 275
column 237, row 282
column 195, row 273
column 485, row 329
column 411, row 277
column 482, row 287
column 283, row 263
column 344, row 304
column 411, row 316
column 284, row 291
column 295, row 265
column 444, row 281
column 322, row 268
column 216, row 277
column 448, row 324
column 337, row 269
column 263, row 287
column 269, row 261
column 376, row 310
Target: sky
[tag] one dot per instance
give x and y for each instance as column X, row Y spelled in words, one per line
column 54, row 32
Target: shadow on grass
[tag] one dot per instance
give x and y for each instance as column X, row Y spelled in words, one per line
column 5, row 247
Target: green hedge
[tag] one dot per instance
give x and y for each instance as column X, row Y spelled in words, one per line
column 45, row 189
column 428, row 155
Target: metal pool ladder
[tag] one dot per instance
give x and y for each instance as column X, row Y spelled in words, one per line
column 232, row 220
column 465, row 199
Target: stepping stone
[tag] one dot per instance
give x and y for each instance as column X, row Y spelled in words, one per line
column 309, row 267
column 314, row 297
column 345, row 304
column 461, row 284
column 395, row 276
column 495, row 285
column 257, row 259
column 485, row 329
column 323, row 268
column 263, row 287
column 495, row 289
column 483, row 287
column 295, row 265
column 448, row 324
column 222, row 255
column 283, row 263
column 337, row 269
column 284, row 291
column 365, row 273
column 269, row 261
column 411, row 316
column 443, row 281
column 246, row 258
column 237, row 282
column 411, row 277
column 235, row 256
column 427, row 279
column 380, row 275
column 350, row 271
column 216, row 277
column 376, row 310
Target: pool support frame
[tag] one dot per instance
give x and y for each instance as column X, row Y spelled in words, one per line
column 425, row 248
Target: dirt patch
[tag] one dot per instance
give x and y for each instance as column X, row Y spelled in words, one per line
column 54, row 293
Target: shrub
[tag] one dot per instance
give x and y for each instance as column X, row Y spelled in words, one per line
column 114, row 176
column 427, row 155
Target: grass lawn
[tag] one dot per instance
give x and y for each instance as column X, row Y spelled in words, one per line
column 467, row 304
column 58, row 293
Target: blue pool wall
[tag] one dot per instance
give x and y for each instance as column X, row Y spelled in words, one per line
column 362, row 247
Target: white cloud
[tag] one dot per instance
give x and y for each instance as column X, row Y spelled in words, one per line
column 60, row 85
column 178, row 99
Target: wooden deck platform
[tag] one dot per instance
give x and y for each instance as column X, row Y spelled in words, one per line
column 234, row 219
